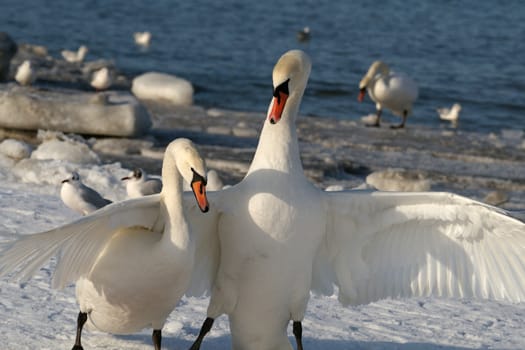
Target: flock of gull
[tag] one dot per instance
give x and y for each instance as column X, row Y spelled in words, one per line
column 100, row 80
column 260, row 247
column 394, row 91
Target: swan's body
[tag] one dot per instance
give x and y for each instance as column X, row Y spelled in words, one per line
column 139, row 184
column 450, row 114
column 101, row 79
column 391, row 90
column 75, row 56
column 142, row 38
column 135, row 258
column 24, row 74
column 79, row 197
column 280, row 238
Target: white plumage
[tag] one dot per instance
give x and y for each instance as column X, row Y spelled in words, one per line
column 75, row 56
column 139, row 184
column 132, row 260
column 280, row 238
column 391, row 90
column 101, row 79
column 142, row 38
column 79, row 197
column 24, row 74
column 450, row 114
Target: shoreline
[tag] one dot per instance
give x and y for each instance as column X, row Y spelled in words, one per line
column 335, row 152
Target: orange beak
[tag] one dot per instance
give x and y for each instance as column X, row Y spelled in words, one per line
column 277, row 107
column 362, row 93
column 198, row 186
column 280, row 95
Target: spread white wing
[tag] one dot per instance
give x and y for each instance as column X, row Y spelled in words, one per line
column 385, row 244
column 79, row 243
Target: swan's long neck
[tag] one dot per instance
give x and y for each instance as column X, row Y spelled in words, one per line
column 176, row 227
column 278, row 148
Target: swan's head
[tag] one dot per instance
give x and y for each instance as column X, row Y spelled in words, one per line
column 378, row 67
column 136, row 174
column 290, row 76
column 192, row 168
column 73, row 178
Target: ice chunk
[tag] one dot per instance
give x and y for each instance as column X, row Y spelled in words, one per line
column 163, row 87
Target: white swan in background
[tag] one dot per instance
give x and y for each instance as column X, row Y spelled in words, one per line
column 79, row 197
column 101, row 79
column 24, row 74
column 132, row 260
column 142, row 38
column 391, row 90
column 450, row 114
column 75, row 56
column 270, row 240
column 139, row 184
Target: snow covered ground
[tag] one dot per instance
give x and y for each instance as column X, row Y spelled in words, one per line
column 33, row 316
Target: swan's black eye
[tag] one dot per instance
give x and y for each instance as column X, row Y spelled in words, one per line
column 281, row 88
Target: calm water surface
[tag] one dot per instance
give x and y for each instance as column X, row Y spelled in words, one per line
column 471, row 52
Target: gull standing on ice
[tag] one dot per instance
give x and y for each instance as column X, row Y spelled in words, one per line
column 24, row 74
column 142, row 38
column 75, row 56
column 394, row 91
column 450, row 114
column 101, row 79
column 139, row 184
column 132, row 261
column 79, row 197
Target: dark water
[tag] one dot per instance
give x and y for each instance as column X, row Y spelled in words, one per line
column 471, row 52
